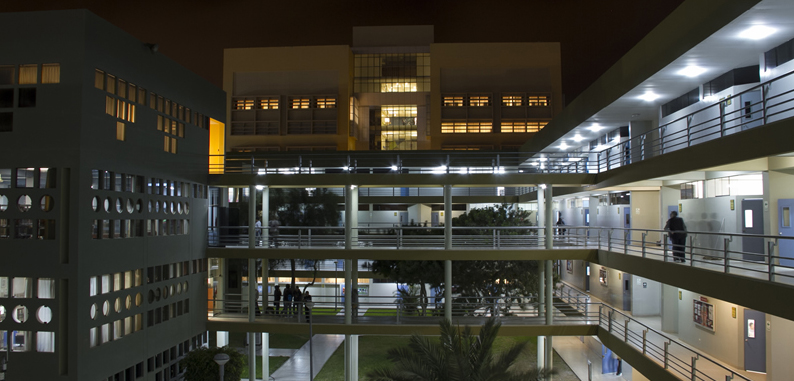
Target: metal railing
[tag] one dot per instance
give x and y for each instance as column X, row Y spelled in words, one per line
column 677, row 358
column 722, row 252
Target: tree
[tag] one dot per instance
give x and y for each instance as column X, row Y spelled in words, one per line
column 201, row 366
column 457, row 356
column 476, row 283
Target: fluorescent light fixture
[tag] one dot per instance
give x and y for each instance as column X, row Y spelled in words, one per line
column 578, row 138
column 345, row 168
column 595, row 127
column 710, row 98
column 393, row 167
column 574, row 159
column 757, row 32
column 542, row 186
column 691, row 71
column 260, row 187
column 649, row 96
column 352, row 187
column 563, row 145
column 544, row 159
column 535, row 163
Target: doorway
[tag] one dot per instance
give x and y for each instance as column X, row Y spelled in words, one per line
column 753, row 223
column 785, row 229
column 754, row 341
column 626, row 292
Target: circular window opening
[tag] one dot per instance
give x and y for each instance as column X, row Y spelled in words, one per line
column 93, row 311
column 165, row 292
column 138, row 300
column 139, row 206
column 24, row 203
column 179, row 207
column 20, row 314
column 44, row 315
column 157, row 207
column 157, row 294
column 106, row 308
column 186, row 227
column 130, row 206
column 117, row 305
column 47, row 203
column 150, row 206
column 151, row 296
column 179, row 288
column 119, row 205
column 173, row 208
column 185, row 286
column 107, row 204
column 171, row 290
column 187, row 208
column 128, row 302
column 165, row 207
column 95, row 203
column 2, row 313
column 3, row 203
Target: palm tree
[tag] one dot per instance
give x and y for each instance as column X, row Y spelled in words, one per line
column 457, row 356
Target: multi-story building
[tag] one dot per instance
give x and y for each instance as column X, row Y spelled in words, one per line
column 103, row 202
column 393, row 89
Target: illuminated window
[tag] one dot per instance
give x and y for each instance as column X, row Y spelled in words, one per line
column 121, row 89
column 142, row 95
column 326, row 102
column 466, row 127
column 132, row 93
column 28, row 74
column 51, row 73
column 120, row 131
column 537, row 100
column 512, row 100
column 479, row 100
column 398, row 87
column 453, row 101
column 392, row 72
column 110, row 84
column 299, row 103
column 521, row 126
column 110, row 105
column 398, row 128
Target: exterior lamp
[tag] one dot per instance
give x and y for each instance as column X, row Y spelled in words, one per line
column 221, row 359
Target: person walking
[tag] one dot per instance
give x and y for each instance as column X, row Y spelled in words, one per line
column 297, row 302
column 308, row 304
column 287, row 300
column 276, row 300
column 273, row 226
column 676, row 229
column 258, row 230
column 561, row 222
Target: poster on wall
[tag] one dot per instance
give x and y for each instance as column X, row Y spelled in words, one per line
column 751, row 328
column 602, row 276
column 569, row 266
column 703, row 313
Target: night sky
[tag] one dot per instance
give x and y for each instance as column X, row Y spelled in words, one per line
column 593, row 34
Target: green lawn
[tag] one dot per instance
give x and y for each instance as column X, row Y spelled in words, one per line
column 275, row 362
column 372, row 354
column 282, row 340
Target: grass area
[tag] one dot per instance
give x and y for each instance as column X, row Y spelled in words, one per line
column 380, row 312
column 274, row 363
column 326, row 311
column 283, row 340
column 373, row 349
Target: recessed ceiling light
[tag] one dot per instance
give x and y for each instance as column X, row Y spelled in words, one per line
column 563, row 145
column 649, row 97
column 691, row 71
column 757, row 32
column 578, row 138
column 595, row 127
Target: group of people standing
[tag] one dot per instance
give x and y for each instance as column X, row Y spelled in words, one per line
column 294, row 299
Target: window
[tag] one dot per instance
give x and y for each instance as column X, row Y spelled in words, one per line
column 27, row 97
column 521, row 126
column 299, row 103
column 99, row 79
column 537, row 100
column 466, row 127
column 6, row 98
column 110, row 84
column 7, row 75
column 28, row 74
column 511, row 100
column 242, row 104
column 265, row 104
column 326, row 102
column 6, row 121
column 120, row 131
column 479, row 100
column 453, row 101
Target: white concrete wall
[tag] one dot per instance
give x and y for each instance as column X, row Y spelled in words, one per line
column 726, row 342
column 419, row 213
column 646, row 297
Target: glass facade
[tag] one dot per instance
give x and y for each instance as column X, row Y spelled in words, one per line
column 392, row 72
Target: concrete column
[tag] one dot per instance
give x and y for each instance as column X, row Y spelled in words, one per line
column 265, row 217
column 251, row 245
column 541, row 214
column 548, row 217
column 348, row 291
column 251, row 217
column 351, row 215
column 252, row 356
column 447, row 246
column 541, row 351
column 351, row 357
column 265, row 355
column 549, row 276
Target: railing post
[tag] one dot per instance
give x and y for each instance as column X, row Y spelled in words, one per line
column 399, row 309
column 399, row 237
column 694, row 368
column 722, row 118
column 300, row 237
column 644, row 253
column 626, row 331
column 691, row 250
column 609, row 240
column 666, row 353
column 626, row 242
column 644, row 341
column 310, row 237
column 609, row 316
column 664, row 245
column 726, row 254
column 771, row 254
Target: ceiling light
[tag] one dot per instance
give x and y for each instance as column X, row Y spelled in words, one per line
column 757, row 32
column 691, row 71
column 578, row 138
column 649, row 97
column 710, row 98
column 595, row 127
column 563, row 145
column 393, row 167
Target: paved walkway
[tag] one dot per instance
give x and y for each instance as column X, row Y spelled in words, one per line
column 297, row 367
